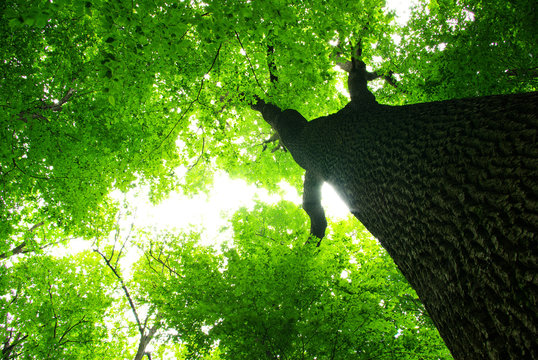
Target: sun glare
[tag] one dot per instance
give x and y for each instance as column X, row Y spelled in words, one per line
column 334, row 207
column 210, row 213
column 402, row 9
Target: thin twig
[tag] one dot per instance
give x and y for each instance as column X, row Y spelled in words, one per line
column 191, row 103
column 271, row 64
column 200, row 156
column 249, row 62
column 69, row 329
column 53, row 310
column 172, row 271
column 123, row 245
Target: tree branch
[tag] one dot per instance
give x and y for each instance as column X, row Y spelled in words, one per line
column 145, row 340
column 150, row 254
column 249, row 62
column 23, row 116
column 271, row 64
column 357, row 81
column 125, row 291
column 348, row 67
column 389, row 78
column 19, row 249
column 191, row 103
column 69, row 329
column 312, row 205
column 269, row 111
column 123, row 244
column 53, row 310
column 8, row 348
column 58, row 106
column 199, row 156
column 274, row 139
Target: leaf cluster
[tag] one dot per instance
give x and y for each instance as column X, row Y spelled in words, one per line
column 455, row 49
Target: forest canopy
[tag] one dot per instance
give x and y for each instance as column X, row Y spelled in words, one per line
column 100, row 97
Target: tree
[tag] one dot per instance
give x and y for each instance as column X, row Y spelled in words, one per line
column 467, row 49
column 96, row 95
column 55, row 309
column 148, row 327
column 437, row 183
column 440, row 184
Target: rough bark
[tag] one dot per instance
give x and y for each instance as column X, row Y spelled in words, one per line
column 450, row 189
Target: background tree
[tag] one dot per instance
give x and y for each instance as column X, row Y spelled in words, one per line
column 148, row 325
column 266, row 295
column 55, row 309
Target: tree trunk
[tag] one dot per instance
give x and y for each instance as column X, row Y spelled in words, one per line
column 450, row 189
column 145, row 339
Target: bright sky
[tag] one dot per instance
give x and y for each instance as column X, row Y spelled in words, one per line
column 212, row 212
column 402, row 8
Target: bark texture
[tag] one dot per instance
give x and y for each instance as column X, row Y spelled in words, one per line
column 450, row 189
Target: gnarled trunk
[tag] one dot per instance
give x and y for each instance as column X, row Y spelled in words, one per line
column 450, row 189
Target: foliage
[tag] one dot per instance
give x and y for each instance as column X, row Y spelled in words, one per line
column 54, row 308
column 266, row 295
column 455, row 49
column 95, row 94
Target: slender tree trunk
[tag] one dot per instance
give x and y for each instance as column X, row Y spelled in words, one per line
column 145, row 339
column 450, row 189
